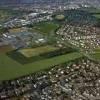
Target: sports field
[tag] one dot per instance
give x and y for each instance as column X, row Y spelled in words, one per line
column 10, row 69
column 30, row 52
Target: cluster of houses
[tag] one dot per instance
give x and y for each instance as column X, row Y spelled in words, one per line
column 86, row 37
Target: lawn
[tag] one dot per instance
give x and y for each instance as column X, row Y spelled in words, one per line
column 30, row 52
column 10, row 69
column 45, row 27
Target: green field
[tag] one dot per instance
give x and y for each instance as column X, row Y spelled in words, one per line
column 10, row 69
column 45, row 27
column 96, row 54
column 30, row 52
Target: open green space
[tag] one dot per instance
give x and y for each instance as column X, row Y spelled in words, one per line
column 30, row 52
column 96, row 54
column 26, row 56
column 45, row 27
column 10, row 69
column 97, row 50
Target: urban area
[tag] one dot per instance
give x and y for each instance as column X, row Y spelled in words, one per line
column 49, row 50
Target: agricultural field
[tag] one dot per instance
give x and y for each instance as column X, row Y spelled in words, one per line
column 30, row 52
column 45, row 27
column 10, row 69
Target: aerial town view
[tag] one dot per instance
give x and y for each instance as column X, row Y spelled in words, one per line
column 49, row 49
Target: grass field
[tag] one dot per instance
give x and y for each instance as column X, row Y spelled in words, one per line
column 10, row 69
column 30, row 52
column 45, row 27
column 96, row 54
